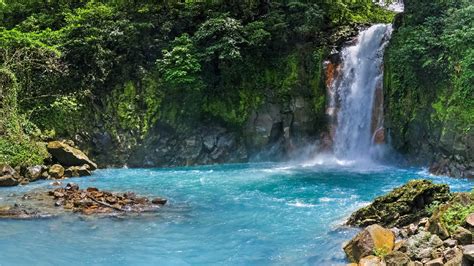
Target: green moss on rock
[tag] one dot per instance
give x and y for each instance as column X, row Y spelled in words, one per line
column 402, row 205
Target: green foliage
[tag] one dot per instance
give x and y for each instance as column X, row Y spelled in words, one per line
column 21, row 152
column 456, row 216
column 127, row 65
column 381, row 252
column 15, row 147
column 180, row 67
column 430, row 70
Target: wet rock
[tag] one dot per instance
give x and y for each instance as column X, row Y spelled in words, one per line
column 8, row 181
column 159, row 201
column 371, row 239
column 56, row 171
column 462, row 235
column 402, row 206
column 69, row 156
column 397, row 258
column 371, row 261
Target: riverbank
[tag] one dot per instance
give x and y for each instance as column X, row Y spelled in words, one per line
column 419, row 223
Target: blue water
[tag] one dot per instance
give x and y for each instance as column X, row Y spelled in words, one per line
column 243, row 214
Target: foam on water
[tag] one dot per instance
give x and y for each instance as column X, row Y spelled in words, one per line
column 244, row 214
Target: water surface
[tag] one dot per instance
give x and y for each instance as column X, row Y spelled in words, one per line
column 243, row 214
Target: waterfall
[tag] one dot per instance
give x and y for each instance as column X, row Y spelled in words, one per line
column 355, row 95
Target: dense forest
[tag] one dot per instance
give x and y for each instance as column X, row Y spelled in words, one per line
column 122, row 67
column 114, row 75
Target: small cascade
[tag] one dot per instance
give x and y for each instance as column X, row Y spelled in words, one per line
column 355, row 106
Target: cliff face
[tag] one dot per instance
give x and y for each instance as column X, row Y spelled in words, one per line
column 428, row 86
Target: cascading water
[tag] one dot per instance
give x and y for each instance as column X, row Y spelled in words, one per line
column 353, row 92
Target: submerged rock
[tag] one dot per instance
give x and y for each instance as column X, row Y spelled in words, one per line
column 402, row 205
column 371, row 240
column 69, row 156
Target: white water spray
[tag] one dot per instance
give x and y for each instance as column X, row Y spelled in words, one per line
column 354, row 92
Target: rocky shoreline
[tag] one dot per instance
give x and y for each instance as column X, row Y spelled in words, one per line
column 72, row 199
column 420, row 223
column 65, row 161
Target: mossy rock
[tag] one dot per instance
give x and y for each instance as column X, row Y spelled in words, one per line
column 449, row 216
column 403, row 205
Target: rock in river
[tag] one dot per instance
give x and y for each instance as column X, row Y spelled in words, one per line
column 402, row 205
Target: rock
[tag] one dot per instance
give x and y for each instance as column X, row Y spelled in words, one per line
column 71, row 186
column 6, row 169
column 470, row 220
column 400, row 246
column 371, row 239
column 56, row 183
column 422, row 245
column 159, row 201
column 371, row 261
column 453, row 256
column 402, row 206
column 397, row 258
column 69, row 156
column 435, row 262
column 450, row 242
column 462, row 235
column 77, row 171
column 468, row 252
column 34, row 173
column 56, row 171
column 8, row 181
column 436, row 225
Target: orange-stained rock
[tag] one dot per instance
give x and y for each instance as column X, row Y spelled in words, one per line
column 372, row 239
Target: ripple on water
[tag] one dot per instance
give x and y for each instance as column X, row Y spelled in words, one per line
column 247, row 214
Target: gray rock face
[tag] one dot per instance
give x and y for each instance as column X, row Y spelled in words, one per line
column 422, row 245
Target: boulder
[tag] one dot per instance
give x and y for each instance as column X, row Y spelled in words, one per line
column 56, row 171
column 6, row 169
column 34, row 173
column 8, row 176
column 453, row 256
column 69, row 156
column 77, row 171
column 462, row 235
column 372, row 239
column 436, row 224
column 397, row 258
column 468, row 252
column 371, row 261
column 402, row 206
column 423, row 245
column 8, row 181
column 470, row 220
